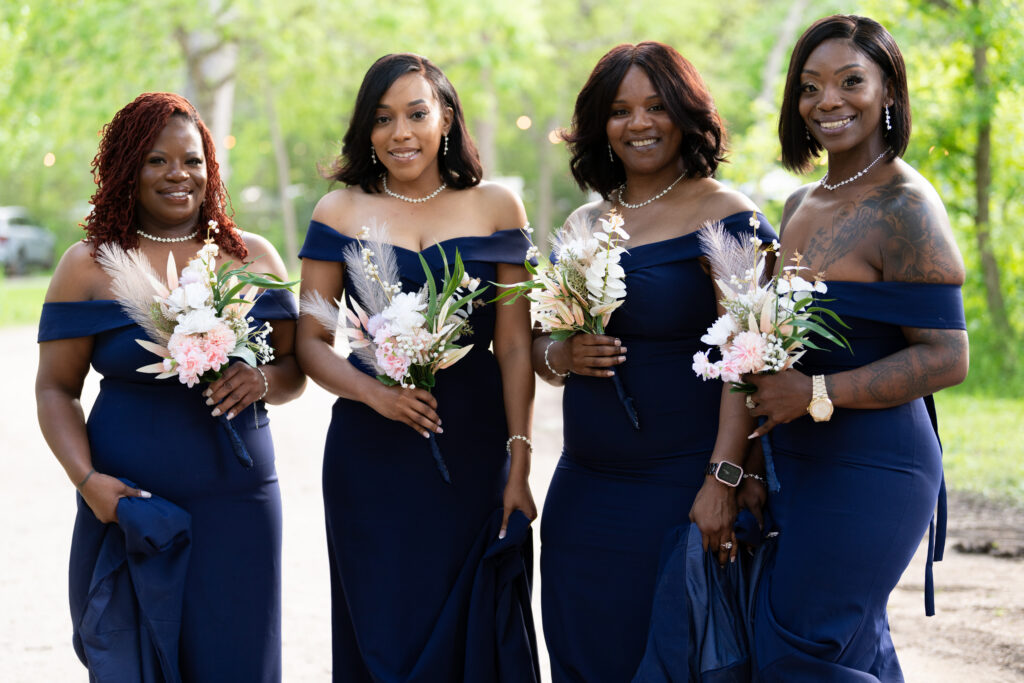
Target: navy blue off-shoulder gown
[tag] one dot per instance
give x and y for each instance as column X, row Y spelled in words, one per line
column 160, row 435
column 617, row 490
column 422, row 589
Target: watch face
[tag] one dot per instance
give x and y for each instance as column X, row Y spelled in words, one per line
column 820, row 410
column 729, row 473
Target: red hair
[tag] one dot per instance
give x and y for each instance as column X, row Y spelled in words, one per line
column 125, row 142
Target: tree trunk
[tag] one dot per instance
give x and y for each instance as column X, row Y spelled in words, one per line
column 291, row 252
column 983, row 184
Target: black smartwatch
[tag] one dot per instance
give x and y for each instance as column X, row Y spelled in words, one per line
column 725, row 472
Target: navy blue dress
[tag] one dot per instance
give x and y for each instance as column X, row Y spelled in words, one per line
column 412, row 577
column 160, row 435
column 617, row 491
column 856, row 496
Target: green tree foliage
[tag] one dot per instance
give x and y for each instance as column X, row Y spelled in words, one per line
column 67, row 65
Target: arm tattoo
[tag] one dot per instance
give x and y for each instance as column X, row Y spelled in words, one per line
column 931, row 363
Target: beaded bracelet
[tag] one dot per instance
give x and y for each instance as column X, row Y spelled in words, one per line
column 520, row 437
column 266, row 384
column 756, row 477
column 547, row 362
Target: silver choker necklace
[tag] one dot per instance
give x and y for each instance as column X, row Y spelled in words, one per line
column 411, row 200
column 824, row 180
column 622, row 188
column 183, row 238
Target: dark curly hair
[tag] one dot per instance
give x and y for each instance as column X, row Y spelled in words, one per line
column 868, row 37
column 686, row 98
column 125, row 142
column 460, row 168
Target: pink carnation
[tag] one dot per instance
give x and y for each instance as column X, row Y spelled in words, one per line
column 395, row 366
column 187, row 352
column 703, row 367
column 746, row 353
column 220, row 341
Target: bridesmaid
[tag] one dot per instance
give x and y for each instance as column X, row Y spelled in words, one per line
column 409, row 553
column 158, row 185
column 853, row 436
column 645, row 136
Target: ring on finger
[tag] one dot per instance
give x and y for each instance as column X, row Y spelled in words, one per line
column 750, row 402
column 727, row 545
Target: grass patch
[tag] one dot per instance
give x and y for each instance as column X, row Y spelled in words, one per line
column 983, row 448
column 21, row 299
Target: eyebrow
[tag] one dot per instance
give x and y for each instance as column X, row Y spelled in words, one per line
column 410, row 104
column 655, row 96
column 852, row 65
column 187, row 152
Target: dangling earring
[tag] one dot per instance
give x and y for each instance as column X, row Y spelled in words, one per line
column 373, row 156
column 446, row 145
column 807, row 133
column 611, row 157
column 888, row 124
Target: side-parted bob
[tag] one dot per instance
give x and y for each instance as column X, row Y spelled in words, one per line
column 460, row 168
column 686, row 98
column 866, row 36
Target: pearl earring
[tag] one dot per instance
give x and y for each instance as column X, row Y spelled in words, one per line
column 373, row 156
column 611, row 157
column 445, row 145
column 888, row 124
column 807, row 133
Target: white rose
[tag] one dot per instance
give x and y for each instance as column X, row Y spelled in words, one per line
column 404, row 313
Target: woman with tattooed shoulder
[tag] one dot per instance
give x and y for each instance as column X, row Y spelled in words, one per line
column 852, row 435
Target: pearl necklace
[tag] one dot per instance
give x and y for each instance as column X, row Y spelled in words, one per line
column 411, row 200
column 824, row 181
column 622, row 188
column 183, row 238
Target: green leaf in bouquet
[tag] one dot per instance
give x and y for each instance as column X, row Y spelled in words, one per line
column 821, row 330
column 562, row 335
column 386, row 381
column 245, row 353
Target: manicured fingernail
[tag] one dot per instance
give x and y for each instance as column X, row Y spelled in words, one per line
column 501, row 534
column 208, row 392
column 209, row 401
column 439, row 430
column 231, row 416
column 618, row 342
column 622, row 359
column 145, row 494
column 216, row 412
column 622, row 350
column 610, row 373
column 753, row 436
column 426, row 434
column 732, row 559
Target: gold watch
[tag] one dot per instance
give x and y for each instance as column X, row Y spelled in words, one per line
column 820, row 407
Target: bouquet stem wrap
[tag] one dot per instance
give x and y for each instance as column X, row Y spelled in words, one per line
column 237, row 445
column 442, row 466
column 625, row 400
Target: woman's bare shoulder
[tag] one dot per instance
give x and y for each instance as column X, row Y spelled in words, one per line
column 78, row 277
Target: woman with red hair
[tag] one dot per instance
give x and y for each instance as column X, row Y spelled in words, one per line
column 176, row 554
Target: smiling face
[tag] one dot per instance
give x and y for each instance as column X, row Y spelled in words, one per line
column 842, row 94
column 172, row 180
column 408, row 126
column 640, row 130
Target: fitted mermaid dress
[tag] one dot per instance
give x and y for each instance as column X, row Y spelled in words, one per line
column 160, row 435
column 618, row 490
column 422, row 589
column 855, row 499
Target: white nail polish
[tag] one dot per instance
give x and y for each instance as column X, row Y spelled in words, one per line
column 231, row 416
column 209, row 401
column 145, row 494
column 216, row 412
column 501, row 534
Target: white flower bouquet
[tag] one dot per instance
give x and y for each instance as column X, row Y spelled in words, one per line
column 581, row 286
column 196, row 321
column 407, row 337
column 767, row 319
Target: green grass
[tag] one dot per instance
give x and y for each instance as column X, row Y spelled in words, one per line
column 983, row 443
column 21, row 299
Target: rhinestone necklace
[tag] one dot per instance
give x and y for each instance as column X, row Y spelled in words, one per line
column 183, row 238
column 824, row 180
column 622, row 188
column 411, row 200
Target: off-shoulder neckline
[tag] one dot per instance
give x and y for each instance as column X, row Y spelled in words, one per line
column 432, row 246
column 692, row 234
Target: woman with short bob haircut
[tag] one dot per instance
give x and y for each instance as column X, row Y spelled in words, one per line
column 647, row 137
column 854, row 446
column 411, row 554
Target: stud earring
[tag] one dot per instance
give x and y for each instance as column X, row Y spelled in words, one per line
column 888, row 124
column 445, row 145
column 373, row 156
column 611, row 157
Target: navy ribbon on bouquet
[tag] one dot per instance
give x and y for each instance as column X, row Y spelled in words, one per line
column 625, row 400
column 237, row 445
column 442, row 467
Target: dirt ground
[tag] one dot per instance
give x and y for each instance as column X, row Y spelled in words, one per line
column 977, row 635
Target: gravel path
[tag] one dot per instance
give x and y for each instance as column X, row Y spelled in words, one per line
column 978, row 634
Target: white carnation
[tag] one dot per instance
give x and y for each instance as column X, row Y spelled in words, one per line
column 403, row 313
column 720, row 332
column 196, row 321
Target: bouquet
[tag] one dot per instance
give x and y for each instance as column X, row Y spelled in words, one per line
column 199, row 319
column 580, row 288
column 767, row 320
column 407, row 337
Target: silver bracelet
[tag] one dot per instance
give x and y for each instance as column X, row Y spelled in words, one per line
column 755, row 477
column 547, row 361
column 520, row 437
column 266, row 384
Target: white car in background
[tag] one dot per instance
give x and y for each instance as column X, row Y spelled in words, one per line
column 23, row 244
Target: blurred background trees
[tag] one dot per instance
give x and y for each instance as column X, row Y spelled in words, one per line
column 276, row 82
